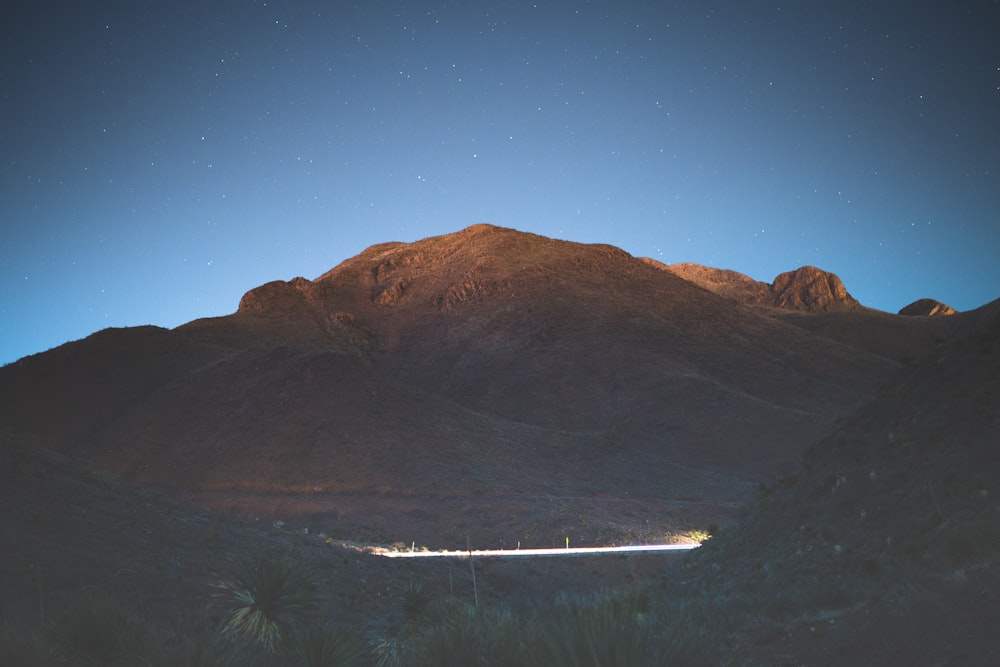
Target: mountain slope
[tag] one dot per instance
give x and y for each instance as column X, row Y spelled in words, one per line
column 818, row 302
column 883, row 548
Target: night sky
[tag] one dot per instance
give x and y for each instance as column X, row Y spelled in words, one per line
column 159, row 159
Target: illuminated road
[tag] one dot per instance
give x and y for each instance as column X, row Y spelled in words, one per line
column 517, row 553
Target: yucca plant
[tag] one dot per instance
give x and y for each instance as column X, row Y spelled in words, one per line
column 461, row 635
column 616, row 630
column 387, row 651
column 414, row 600
column 323, row 647
column 268, row 596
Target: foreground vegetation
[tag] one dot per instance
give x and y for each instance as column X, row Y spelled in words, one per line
column 266, row 611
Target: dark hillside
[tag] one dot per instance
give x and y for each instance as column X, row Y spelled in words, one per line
column 884, row 548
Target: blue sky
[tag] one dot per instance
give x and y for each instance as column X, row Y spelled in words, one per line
column 158, row 160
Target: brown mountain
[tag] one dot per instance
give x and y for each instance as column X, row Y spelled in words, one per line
column 806, row 289
column 817, row 301
column 507, row 387
column 487, row 382
column 927, row 308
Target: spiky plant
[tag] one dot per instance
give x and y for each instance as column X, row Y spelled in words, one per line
column 323, row 647
column 387, row 650
column 614, row 630
column 414, row 600
column 461, row 635
column 268, row 595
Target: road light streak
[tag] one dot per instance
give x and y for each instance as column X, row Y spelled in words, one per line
column 517, row 553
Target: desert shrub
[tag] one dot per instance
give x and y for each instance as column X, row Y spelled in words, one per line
column 387, row 651
column 463, row 634
column 268, row 595
column 611, row 630
column 700, row 536
column 597, row 637
column 323, row 647
column 414, row 600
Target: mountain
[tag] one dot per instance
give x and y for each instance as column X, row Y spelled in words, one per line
column 426, row 388
column 818, row 302
column 883, row 547
column 806, row 289
column 495, row 388
column 927, row 308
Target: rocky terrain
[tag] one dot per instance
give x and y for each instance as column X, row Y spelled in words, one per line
column 805, row 289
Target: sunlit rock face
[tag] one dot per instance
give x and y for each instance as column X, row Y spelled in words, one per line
column 807, row 289
column 811, row 289
column 927, row 308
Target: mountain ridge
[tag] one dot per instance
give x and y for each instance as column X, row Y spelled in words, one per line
column 492, row 360
column 807, row 289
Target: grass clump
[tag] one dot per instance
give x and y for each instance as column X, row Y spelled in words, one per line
column 268, row 595
column 456, row 634
column 324, row 647
column 610, row 630
column 613, row 629
column 414, row 600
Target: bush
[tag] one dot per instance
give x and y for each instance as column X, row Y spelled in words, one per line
column 467, row 635
column 268, row 595
column 613, row 630
column 322, row 647
column 414, row 600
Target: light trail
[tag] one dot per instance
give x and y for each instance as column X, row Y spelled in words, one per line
column 518, row 553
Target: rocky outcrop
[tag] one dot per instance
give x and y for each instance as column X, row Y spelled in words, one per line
column 805, row 289
column 812, row 290
column 927, row 308
column 730, row 284
column 277, row 298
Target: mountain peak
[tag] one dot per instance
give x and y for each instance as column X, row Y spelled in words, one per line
column 927, row 308
column 811, row 289
column 806, row 289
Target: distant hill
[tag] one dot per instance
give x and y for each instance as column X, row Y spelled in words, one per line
column 817, row 301
column 806, row 289
column 927, row 308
